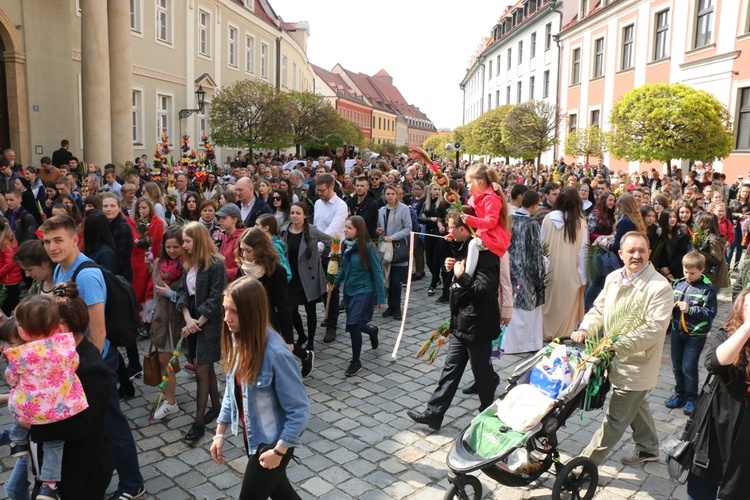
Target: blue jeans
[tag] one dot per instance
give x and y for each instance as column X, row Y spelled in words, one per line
column 118, row 429
column 53, row 451
column 735, row 250
column 701, row 489
column 394, row 288
column 18, row 483
column 686, row 352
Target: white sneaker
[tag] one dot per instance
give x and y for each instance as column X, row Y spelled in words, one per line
column 166, row 409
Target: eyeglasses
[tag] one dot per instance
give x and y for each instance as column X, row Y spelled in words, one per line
column 276, row 198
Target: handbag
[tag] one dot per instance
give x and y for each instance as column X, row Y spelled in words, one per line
column 400, row 247
column 682, row 454
column 151, row 366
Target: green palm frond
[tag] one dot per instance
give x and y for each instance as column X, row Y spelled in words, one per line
column 593, row 270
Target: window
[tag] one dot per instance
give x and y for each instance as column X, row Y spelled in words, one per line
column 518, row 92
column 232, row 46
column 249, row 4
column 510, row 58
column 627, row 47
column 661, row 36
column 545, row 84
column 283, row 71
column 497, row 65
column 489, row 102
column 137, row 117
column 704, row 23
column 203, row 124
column 497, row 98
column 743, row 120
column 163, row 115
column 520, row 52
column 595, row 114
column 575, row 73
column 548, row 36
column 598, row 57
column 584, row 9
column 204, row 37
column 163, row 21
column 263, row 60
column 533, row 45
column 135, row 15
column 507, row 94
column 294, row 76
column 532, row 81
column 572, row 122
column 489, row 72
column 250, row 54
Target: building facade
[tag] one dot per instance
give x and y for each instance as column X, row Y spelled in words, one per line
column 349, row 103
column 610, row 47
column 517, row 62
column 114, row 87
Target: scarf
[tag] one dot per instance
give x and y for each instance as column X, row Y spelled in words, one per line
column 253, row 269
column 170, row 269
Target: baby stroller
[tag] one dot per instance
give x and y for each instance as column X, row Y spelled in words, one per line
column 516, row 458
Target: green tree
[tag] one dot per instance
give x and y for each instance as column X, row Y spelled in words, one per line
column 589, row 141
column 530, row 129
column 464, row 135
column 339, row 130
column 437, row 144
column 254, row 115
column 316, row 118
column 486, row 135
column 663, row 121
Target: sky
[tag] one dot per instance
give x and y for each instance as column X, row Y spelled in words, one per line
column 425, row 45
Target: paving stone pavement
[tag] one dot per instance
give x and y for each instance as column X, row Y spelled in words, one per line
column 361, row 445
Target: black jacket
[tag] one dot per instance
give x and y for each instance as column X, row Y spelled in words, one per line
column 25, row 225
column 368, row 210
column 122, row 233
column 61, row 157
column 260, row 207
column 88, row 458
column 475, row 313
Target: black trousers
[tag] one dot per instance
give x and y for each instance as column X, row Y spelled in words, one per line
column 460, row 353
column 260, row 483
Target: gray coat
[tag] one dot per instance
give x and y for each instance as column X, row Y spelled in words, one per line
column 209, row 287
column 398, row 227
column 311, row 272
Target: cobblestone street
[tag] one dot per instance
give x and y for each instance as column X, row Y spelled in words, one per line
column 360, row 443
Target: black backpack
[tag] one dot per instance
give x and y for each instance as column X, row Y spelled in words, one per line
column 121, row 309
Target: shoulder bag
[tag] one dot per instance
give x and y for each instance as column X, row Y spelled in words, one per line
column 400, row 247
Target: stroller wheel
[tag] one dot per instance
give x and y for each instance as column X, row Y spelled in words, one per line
column 577, row 479
column 465, row 487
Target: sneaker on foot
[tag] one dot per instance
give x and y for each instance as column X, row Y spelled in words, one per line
column 689, row 407
column 442, row 300
column 134, row 372
column 124, row 495
column 676, row 401
column 354, row 368
column 374, row 341
column 330, row 335
column 47, row 492
column 308, row 364
column 165, row 410
column 639, row 457
column 18, row 449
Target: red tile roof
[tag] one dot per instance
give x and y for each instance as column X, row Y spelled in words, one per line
column 336, row 83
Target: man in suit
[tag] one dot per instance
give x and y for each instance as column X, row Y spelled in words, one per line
column 62, row 155
column 251, row 207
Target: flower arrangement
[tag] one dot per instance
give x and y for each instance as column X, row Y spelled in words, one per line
column 200, row 178
column 210, row 155
column 700, row 238
column 144, row 241
column 185, row 144
column 437, row 337
column 163, row 150
column 333, row 266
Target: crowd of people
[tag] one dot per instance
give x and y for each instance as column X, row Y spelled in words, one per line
column 224, row 261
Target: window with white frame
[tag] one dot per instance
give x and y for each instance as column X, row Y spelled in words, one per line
column 135, row 15
column 595, row 117
column 250, row 54
column 489, row 71
column 164, row 21
column 598, row 58
column 283, row 71
column 572, row 122
column 137, row 117
column 249, row 4
column 519, row 89
column 232, row 36
column 532, row 82
column 584, row 9
column 575, row 69
column 533, row 45
column 510, row 57
column 204, row 33
column 661, row 35
column 520, row 52
column 203, row 125
column 294, row 75
column 626, row 59
column 497, row 65
column 489, row 102
column 548, row 36
column 163, row 114
column 264, row 60
column 545, row 84
column 704, row 23
column 743, row 120
column 507, row 94
column 497, row 98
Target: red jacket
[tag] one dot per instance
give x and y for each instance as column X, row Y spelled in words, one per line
column 726, row 228
column 228, row 245
column 10, row 272
column 488, row 206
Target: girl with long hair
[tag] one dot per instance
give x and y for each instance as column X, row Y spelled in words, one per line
column 601, row 220
column 285, row 186
column 673, row 244
column 492, row 220
column 726, row 473
column 212, row 189
column 394, row 226
column 168, row 322
column 274, row 408
column 267, row 223
column 717, row 269
column 362, row 275
column 685, row 214
column 10, row 272
column 199, row 299
column 630, row 220
column 191, row 207
column 281, row 206
column 433, row 214
column 263, row 190
column 154, row 191
column 143, row 256
column 98, row 244
column 648, row 214
column 564, row 231
column 739, row 212
column 308, row 281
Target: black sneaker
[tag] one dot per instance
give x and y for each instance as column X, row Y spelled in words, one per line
column 124, row 495
column 354, row 368
column 442, row 300
column 134, row 372
column 47, row 492
column 431, row 291
column 211, row 415
column 388, row 312
column 374, row 341
column 18, row 449
column 308, row 364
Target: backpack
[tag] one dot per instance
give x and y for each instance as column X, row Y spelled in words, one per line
column 121, row 309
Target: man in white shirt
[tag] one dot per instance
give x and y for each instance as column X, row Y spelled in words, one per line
column 330, row 216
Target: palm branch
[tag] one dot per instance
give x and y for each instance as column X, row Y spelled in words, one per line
column 593, row 270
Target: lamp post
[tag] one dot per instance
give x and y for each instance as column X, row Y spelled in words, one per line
column 200, row 95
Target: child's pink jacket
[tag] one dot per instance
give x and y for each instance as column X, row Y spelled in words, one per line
column 42, row 374
column 488, row 206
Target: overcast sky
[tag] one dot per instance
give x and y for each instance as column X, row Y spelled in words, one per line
column 425, row 45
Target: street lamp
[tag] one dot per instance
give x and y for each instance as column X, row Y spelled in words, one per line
column 200, row 95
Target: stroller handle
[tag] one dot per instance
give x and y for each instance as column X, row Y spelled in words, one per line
column 560, row 340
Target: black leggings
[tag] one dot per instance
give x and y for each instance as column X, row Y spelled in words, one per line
column 260, row 483
column 312, row 320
